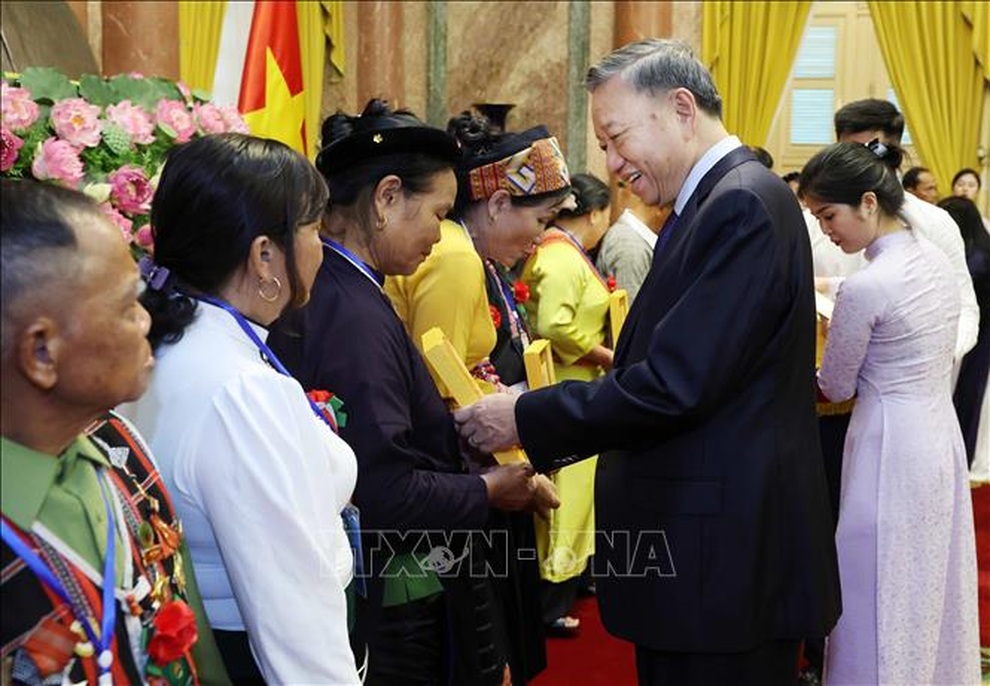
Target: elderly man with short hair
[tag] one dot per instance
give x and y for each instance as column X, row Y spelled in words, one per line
column 81, row 498
column 715, row 553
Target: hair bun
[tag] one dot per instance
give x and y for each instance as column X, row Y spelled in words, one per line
column 889, row 153
column 473, row 131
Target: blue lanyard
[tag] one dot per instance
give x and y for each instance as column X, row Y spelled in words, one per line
column 355, row 260
column 34, row 562
column 350, row 516
column 265, row 351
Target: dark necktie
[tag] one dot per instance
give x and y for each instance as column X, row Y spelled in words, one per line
column 668, row 228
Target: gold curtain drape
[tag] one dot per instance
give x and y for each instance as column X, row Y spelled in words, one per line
column 312, row 53
column 932, row 54
column 977, row 15
column 749, row 48
column 200, row 24
column 200, row 27
column 333, row 27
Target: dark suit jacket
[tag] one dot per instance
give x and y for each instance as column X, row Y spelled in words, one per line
column 711, row 505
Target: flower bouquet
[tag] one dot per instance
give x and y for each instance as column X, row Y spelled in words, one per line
column 104, row 136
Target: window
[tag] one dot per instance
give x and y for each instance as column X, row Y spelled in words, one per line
column 839, row 61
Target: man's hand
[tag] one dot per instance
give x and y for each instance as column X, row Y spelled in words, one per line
column 510, row 486
column 545, row 498
column 489, row 424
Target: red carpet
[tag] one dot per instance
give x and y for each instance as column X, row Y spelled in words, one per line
column 981, row 515
column 594, row 658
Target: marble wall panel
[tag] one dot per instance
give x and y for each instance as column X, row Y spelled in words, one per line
column 510, row 52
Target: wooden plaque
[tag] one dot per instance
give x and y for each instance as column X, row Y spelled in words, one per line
column 462, row 386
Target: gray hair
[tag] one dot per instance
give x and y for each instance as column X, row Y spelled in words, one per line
column 658, row 65
column 37, row 244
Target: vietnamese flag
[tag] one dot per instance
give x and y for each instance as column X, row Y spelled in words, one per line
column 270, row 76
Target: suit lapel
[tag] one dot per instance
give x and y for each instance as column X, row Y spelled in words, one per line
column 646, row 300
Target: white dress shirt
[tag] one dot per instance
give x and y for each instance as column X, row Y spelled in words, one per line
column 259, row 483
column 937, row 226
column 702, row 167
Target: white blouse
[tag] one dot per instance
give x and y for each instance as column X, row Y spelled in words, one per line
column 259, row 482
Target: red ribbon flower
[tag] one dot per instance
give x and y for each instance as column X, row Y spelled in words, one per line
column 496, row 316
column 520, row 291
column 330, row 406
column 175, row 633
column 610, row 284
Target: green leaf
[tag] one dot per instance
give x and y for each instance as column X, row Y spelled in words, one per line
column 46, row 83
column 95, row 90
column 165, row 89
column 141, row 92
column 201, row 96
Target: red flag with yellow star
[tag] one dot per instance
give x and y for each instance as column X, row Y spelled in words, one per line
column 271, row 95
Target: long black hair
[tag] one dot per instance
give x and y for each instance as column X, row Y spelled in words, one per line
column 967, row 215
column 217, row 194
column 843, row 172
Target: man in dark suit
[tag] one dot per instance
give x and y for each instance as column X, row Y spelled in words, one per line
column 715, row 553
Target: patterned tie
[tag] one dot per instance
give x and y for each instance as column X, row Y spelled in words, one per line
column 665, row 232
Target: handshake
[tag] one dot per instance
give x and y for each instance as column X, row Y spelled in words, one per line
column 489, row 425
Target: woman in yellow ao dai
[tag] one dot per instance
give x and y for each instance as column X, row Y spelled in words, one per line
column 568, row 305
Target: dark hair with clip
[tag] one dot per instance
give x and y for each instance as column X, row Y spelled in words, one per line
column 590, row 193
column 217, row 195
column 843, row 172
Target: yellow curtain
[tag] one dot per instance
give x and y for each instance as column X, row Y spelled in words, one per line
column 977, row 15
column 749, row 48
column 312, row 52
column 333, row 27
column 200, row 23
column 933, row 60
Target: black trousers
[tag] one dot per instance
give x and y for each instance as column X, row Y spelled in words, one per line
column 832, row 432
column 409, row 645
column 235, row 650
column 771, row 664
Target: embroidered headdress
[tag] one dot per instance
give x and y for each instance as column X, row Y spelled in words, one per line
column 526, row 163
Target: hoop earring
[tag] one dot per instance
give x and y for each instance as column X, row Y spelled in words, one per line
column 261, row 289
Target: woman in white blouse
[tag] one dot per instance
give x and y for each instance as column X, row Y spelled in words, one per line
column 258, row 478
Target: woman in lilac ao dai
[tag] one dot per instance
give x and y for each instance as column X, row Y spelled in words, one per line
column 907, row 556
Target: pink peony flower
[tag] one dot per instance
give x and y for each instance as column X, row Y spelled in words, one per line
column 57, row 160
column 175, row 120
column 210, row 118
column 78, row 122
column 10, row 145
column 19, row 111
column 130, row 190
column 233, row 119
column 133, row 120
column 145, row 238
column 122, row 222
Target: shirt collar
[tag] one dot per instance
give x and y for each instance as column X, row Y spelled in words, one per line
column 220, row 318
column 28, row 475
column 637, row 225
column 702, row 167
